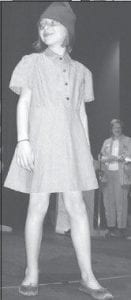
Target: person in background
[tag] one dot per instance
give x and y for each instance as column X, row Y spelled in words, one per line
column 116, row 166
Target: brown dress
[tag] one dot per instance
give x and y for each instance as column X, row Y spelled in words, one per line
column 63, row 161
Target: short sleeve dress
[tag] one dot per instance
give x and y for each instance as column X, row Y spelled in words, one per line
column 63, row 161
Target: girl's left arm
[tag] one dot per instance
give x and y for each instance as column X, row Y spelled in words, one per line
column 84, row 121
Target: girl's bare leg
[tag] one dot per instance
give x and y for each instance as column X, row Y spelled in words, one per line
column 38, row 206
column 80, row 234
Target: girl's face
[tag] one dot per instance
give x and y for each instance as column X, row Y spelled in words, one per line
column 52, row 33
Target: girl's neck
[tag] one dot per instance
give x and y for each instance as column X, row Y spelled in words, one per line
column 58, row 50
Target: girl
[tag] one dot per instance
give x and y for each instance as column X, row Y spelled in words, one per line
column 52, row 153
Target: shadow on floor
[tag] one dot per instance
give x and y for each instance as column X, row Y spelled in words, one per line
column 111, row 261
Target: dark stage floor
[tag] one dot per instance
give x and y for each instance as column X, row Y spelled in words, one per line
column 59, row 273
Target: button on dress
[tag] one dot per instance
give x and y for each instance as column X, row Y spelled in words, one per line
column 63, row 161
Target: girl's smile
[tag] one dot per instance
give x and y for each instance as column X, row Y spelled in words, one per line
column 52, row 32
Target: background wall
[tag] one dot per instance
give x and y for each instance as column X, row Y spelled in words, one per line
column 97, row 46
column 125, row 81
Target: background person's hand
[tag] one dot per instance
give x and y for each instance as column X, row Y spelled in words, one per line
column 112, row 158
column 25, row 156
column 121, row 158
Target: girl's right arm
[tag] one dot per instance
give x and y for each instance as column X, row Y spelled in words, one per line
column 24, row 153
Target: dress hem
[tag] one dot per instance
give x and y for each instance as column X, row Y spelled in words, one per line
column 52, row 191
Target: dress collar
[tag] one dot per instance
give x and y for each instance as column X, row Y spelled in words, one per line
column 54, row 56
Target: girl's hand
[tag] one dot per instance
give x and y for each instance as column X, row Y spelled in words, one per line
column 25, row 156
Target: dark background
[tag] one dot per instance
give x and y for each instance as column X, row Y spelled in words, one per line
column 102, row 44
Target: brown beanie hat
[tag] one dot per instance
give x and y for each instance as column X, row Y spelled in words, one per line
column 63, row 13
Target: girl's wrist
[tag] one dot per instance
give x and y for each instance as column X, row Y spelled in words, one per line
column 22, row 140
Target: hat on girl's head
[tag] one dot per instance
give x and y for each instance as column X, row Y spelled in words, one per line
column 63, row 13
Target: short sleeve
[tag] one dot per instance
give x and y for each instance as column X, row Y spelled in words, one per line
column 23, row 74
column 88, row 86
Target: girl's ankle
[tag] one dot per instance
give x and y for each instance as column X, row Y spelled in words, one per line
column 31, row 277
column 31, row 271
column 90, row 281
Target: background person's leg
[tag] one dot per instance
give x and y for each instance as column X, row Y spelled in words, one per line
column 109, row 202
column 38, row 205
column 121, row 197
column 80, row 234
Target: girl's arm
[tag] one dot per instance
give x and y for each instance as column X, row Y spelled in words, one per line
column 23, row 107
column 84, row 121
column 24, row 154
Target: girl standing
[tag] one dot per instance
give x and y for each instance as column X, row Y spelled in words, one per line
column 53, row 153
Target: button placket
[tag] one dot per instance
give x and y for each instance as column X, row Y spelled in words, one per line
column 66, row 84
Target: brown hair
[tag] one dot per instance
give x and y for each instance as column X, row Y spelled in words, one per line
column 40, row 46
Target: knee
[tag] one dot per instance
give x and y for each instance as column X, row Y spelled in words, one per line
column 75, row 205
column 80, row 209
column 36, row 212
column 38, row 207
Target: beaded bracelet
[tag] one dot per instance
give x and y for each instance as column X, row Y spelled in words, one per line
column 22, row 140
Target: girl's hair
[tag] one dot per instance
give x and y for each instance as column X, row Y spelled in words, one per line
column 40, row 46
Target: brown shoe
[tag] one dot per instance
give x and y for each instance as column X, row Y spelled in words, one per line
column 28, row 290
column 100, row 294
